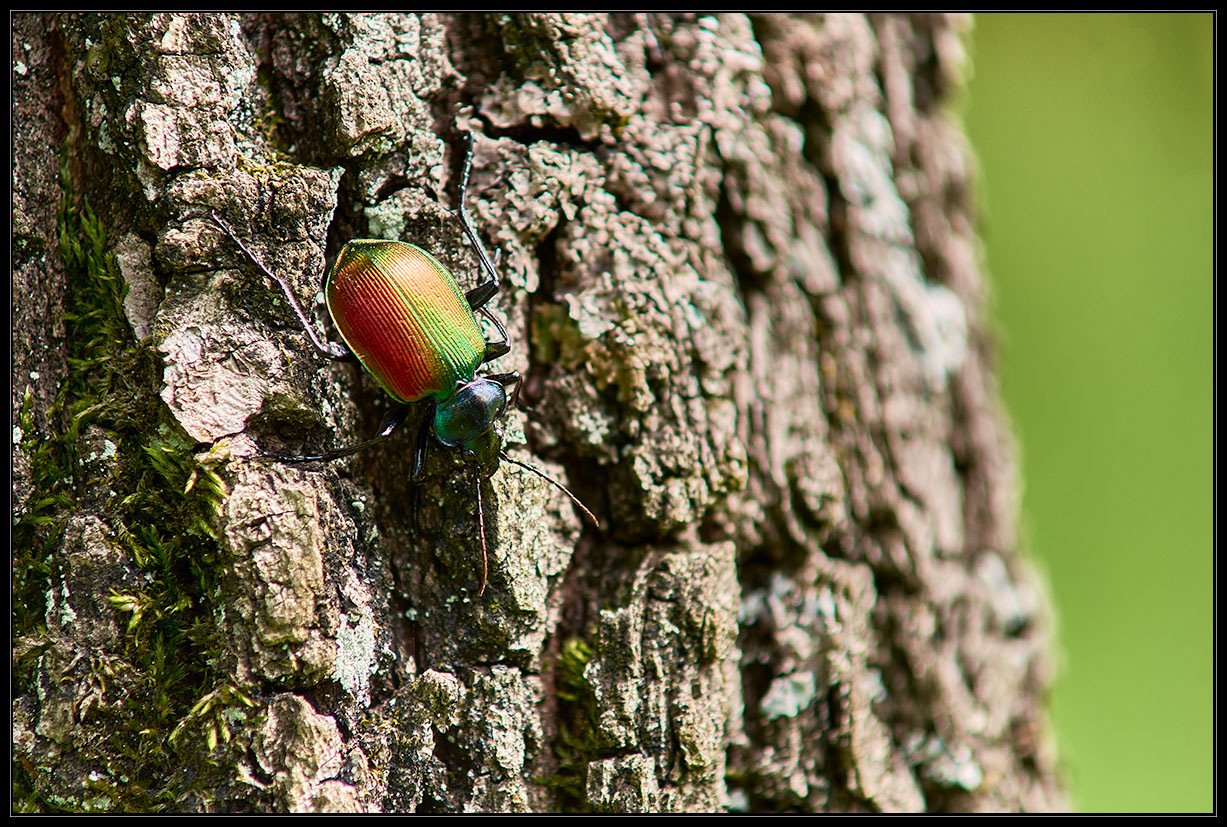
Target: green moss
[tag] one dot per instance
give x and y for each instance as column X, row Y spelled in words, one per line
column 576, row 743
column 270, row 124
column 162, row 703
column 271, row 173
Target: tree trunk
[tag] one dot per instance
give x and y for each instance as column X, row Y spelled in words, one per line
column 740, row 275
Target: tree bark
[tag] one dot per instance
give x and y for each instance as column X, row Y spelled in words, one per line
column 741, row 279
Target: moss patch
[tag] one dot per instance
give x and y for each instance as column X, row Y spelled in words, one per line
column 160, row 705
column 576, row 742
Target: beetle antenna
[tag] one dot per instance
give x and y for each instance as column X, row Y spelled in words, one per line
column 554, row 483
column 481, row 529
column 331, row 350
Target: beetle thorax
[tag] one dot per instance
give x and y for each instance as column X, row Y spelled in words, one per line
column 470, row 412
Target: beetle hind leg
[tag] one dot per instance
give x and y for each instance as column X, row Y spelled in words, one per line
column 481, row 294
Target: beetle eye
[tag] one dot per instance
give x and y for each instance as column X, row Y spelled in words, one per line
column 470, row 412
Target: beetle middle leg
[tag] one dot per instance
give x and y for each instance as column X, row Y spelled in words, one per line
column 477, row 298
column 390, row 423
column 499, row 348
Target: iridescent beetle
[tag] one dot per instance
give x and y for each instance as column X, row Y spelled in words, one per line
column 403, row 317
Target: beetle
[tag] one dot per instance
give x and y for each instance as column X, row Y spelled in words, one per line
column 403, row 317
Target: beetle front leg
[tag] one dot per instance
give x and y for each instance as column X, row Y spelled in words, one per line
column 332, row 350
column 390, row 423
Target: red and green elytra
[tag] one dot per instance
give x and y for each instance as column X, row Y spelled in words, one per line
column 402, row 315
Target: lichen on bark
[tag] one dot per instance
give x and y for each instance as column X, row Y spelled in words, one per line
column 740, row 277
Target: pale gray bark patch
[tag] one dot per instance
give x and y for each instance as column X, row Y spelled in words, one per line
column 740, row 276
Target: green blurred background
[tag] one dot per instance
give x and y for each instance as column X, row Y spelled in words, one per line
column 1095, row 141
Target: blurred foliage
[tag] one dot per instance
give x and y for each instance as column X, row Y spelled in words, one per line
column 1094, row 134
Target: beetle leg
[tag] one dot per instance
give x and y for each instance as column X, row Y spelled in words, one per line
column 466, row 221
column 508, row 379
column 499, row 348
column 332, row 350
column 419, row 464
column 412, row 493
column 390, row 423
column 481, row 530
column 482, row 293
column 419, row 450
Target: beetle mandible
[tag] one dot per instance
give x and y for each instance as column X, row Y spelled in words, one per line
column 402, row 316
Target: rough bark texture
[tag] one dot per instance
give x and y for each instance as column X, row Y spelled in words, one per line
column 740, row 273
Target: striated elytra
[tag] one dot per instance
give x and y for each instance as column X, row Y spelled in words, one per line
column 403, row 317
